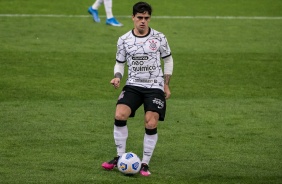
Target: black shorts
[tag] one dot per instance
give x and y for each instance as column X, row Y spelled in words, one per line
column 152, row 99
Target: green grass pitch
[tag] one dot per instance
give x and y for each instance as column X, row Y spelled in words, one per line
column 224, row 117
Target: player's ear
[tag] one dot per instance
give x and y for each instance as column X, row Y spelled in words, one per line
column 133, row 17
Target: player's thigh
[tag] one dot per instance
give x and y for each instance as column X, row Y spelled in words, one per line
column 156, row 102
column 131, row 97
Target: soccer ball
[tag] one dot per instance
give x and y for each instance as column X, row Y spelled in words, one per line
column 129, row 163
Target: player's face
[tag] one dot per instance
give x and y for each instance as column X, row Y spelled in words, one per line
column 141, row 22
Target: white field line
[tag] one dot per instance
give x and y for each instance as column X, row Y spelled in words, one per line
column 156, row 17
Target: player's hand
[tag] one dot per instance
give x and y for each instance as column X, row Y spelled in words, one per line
column 115, row 82
column 167, row 91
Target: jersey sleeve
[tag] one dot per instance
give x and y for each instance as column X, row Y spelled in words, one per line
column 164, row 48
column 121, row 53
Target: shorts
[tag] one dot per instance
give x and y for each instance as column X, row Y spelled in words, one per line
column 152, row 99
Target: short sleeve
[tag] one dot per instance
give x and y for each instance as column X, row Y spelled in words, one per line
column 164, row 48
column 121, row 52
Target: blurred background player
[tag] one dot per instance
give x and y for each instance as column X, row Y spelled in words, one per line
column 93, row 10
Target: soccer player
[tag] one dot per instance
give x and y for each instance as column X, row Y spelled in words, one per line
column 142, row 48
column 93, row 10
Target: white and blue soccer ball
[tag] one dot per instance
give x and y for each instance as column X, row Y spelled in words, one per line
column 129, row 163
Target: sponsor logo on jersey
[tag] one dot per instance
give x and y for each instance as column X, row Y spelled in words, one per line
column 140, row 57
column 144, row 68
column 138, row 65
column 144, row 80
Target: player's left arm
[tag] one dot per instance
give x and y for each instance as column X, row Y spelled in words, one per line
column 168, row 64
column 168, row 69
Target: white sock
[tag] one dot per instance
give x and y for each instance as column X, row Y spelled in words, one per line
column 149, row 145
column 120, row 136
column 108, row 8
column 97, row 4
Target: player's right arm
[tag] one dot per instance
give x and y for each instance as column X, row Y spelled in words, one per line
column 120, row 63
column 118, row 73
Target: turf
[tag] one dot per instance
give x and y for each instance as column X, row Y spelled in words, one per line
column 223, row 122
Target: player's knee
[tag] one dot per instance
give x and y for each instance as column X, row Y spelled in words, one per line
column 151, row 120
column 122, row 112
column 151, row 126
column 121, row 116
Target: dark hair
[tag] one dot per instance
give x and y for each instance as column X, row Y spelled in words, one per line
column 142, row 7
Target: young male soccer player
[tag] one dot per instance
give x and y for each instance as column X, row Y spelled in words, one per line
column 93, row 10
column 142, row 48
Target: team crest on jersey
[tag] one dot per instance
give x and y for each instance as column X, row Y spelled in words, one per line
column 153, row 45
